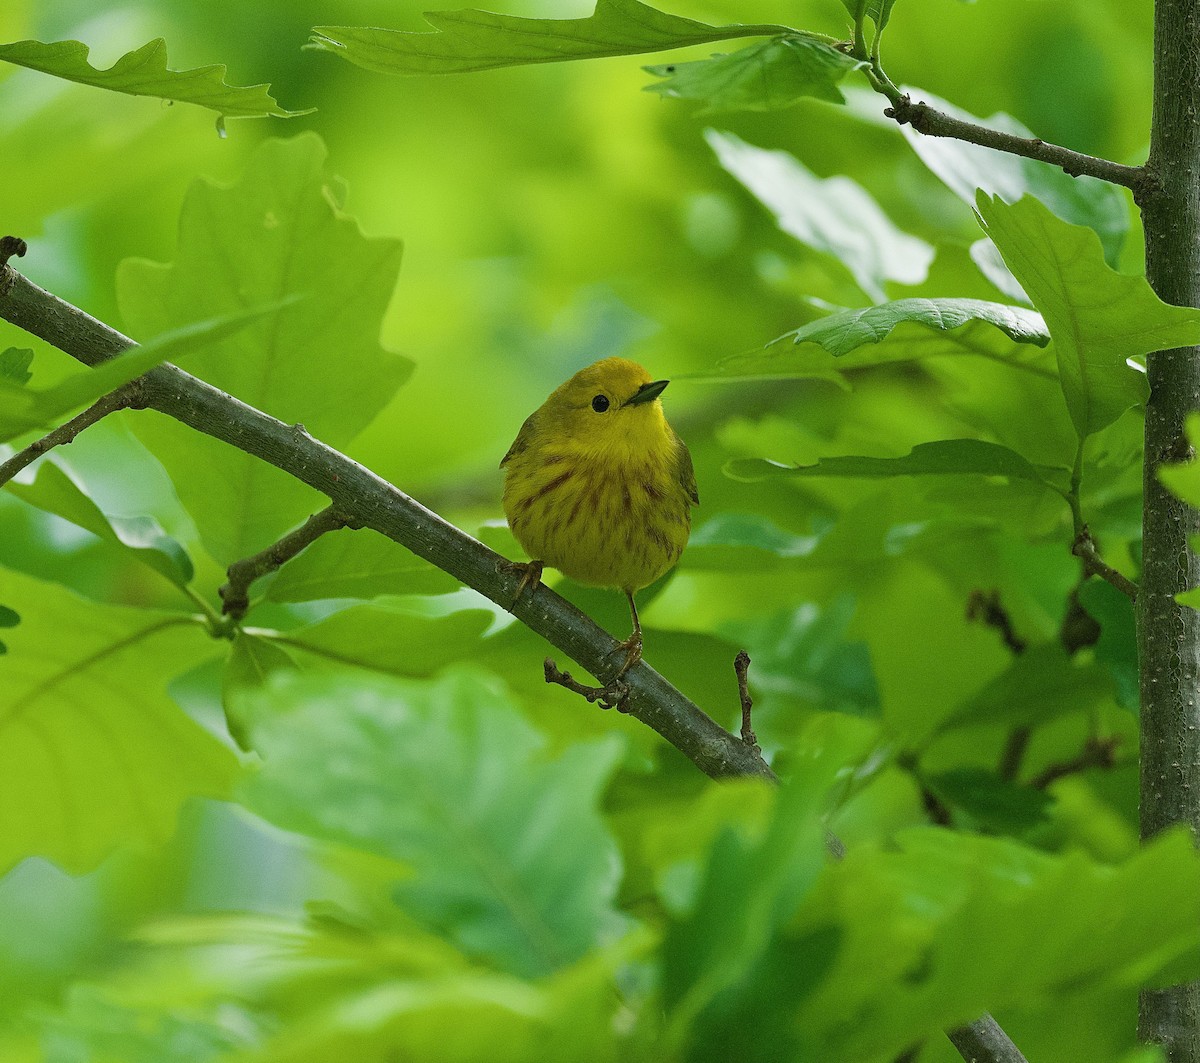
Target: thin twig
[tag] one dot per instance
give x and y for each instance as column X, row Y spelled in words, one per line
column 986, row 607
column 1013, row 754
column 120, row 399
column 935, row 123
column 741, row 666
column 1096, row 753
column 236, row 593
column 1084, row 548
column 613, row 696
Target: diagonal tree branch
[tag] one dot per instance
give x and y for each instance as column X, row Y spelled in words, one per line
column 364, row 499
column 122, row 398
column 235, row 595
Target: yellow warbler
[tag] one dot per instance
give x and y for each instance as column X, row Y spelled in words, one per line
column 599, row 486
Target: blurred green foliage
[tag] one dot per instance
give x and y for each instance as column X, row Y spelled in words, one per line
column 363, row 827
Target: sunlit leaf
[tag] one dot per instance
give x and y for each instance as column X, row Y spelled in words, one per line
column 390, row 637
column 509, row 855
column 943, row 457
column 919, row 912
column 55, row 492
column 964, row 168
column 879, row 11
column 144, row 72
column 362, row 564
column 1038, row 686
column 835, row 215
column 23, row 409
column 767, row 76
column 94, row 754
column 900, row 331
column 1097, row 318
column 480, row 40
column 316, row 361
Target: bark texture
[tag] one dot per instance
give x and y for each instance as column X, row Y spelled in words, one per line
column 1169, row 634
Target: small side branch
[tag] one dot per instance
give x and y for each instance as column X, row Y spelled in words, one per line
column 613, row 696
column 741, row 666
column 935, row 123
column 236, row 593
column 1096, row 753
column 986, row 608
column 120, row 399
column 1084, row 548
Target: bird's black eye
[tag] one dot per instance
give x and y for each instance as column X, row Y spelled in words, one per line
column 600, row 403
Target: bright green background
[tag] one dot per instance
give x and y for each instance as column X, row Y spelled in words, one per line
column 431, row 852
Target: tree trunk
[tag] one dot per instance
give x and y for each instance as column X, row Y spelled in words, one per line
column 1169, row 634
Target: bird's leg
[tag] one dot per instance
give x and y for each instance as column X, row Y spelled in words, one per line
column 632, row 645
column 531, row 575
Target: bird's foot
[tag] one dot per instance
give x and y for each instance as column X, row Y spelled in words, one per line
column 632, row 648
column 531, row 575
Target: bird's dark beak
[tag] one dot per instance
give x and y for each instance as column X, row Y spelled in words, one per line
column 647, row 392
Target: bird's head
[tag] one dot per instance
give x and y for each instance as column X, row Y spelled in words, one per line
column 611, row 405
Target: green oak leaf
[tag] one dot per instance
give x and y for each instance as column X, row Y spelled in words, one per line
column 835, row 215
column 942, row 457
column 23, row 409
column 510, row 857
column 995, row 803
column 14, row 365
column 767, row 76
column 390, row 636
column 362, row 564
column 54, row 491
column 144, row 72
column 480, row 40
column 1097, row 318
column 93, row 753
column 964, row 168
column 878, row 11
column 901, row 331
column 316, row 361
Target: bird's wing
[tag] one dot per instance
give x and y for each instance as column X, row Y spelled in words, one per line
column 522, row 440
column 684, row 470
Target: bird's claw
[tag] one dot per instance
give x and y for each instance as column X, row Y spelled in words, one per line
column 632, row 648
column 614, row 696
column 531, row 575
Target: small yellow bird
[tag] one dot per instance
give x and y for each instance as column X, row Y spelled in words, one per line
column 600, row 487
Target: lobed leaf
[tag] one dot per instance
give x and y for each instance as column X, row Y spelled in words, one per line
column 900, row 331
column 942, row 457
column 14, row 365
column 316, row 360
column 142, row 538
column 767, row 76
column 364, row 564
column 24, row 409
column 1098, row 318
column 93, row 754
column 510, row 857
column 965, row 168
column 480, row 40
column 835, row 215
column 144, row 72
column 390, row 637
